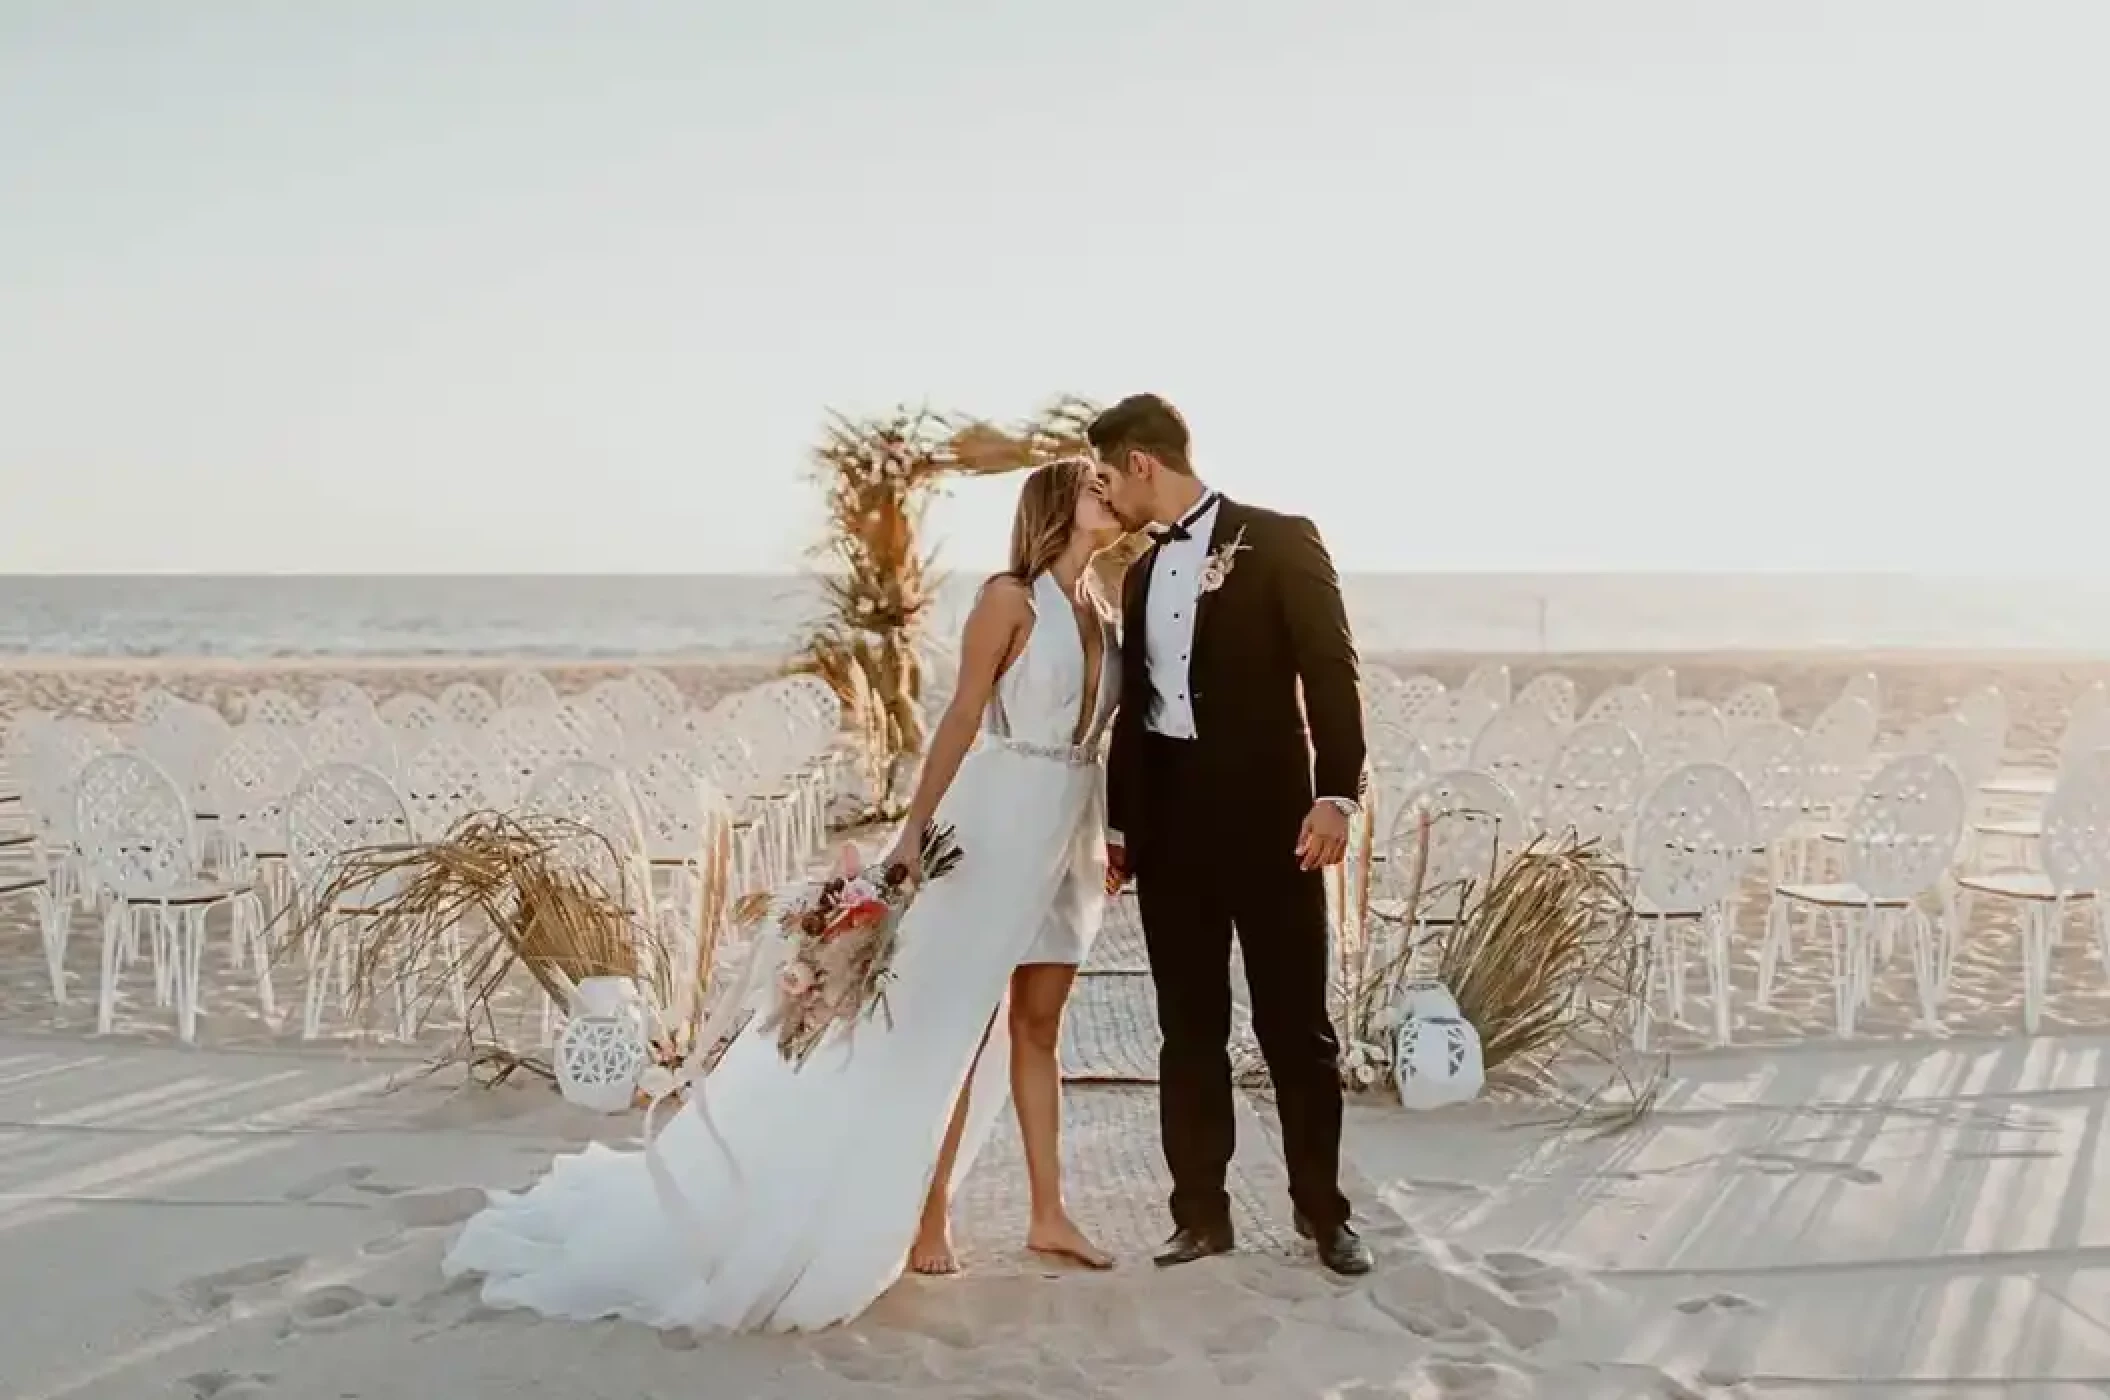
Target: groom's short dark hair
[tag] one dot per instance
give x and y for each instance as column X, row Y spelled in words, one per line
column 1141, row 423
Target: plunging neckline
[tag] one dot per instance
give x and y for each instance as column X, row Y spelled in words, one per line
column 1087, row 621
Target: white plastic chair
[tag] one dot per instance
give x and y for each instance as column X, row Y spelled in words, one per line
column 1449, row 727
column 1552, row 692
column 1751, row 704
column 519, row 743
column 1593, row 784
column 141, row 853
column 1900, row 839
column 1474, row 824
column 583, row 730
column 336, row 693
column 250, row 783
column 1694, row 832
column 1629, row 705
column 663, row 692
column 275, row 707
column 1690, row 733
column 411, row 714
column 1489, row 682
column 335, row 809
column 1403, row 701
column 467, row 704
column 526, row 690
column 1660, row 685
column 1515, row 748
column 445, row 779
column 2075, row 854
column 347, row 734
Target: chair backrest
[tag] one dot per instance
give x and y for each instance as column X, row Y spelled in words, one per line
column 1489, row 682
column 809, row 692
column 51, row 770
column 1515, row 747
column 520, row 742
column 664, row 693
column 250, row 782
column 1751, row 704
column 1695, row 830
column 1552, row 692
column 1449, row 727
column 583, row 730
column 1836, row 747
column 340, row 807
column 627, row 706
column 526, row 690
column 410, row 714
column 468, row 704
column 1403, row 701
column 1629, row 705
column 1902, row 832
column 185, row 740
column 445, row 778
column 2086, row 731
column 1660, row 685
column 348, row 734
column 1473, row 823
column 1593, row 784
column 1691, row 733
column 1768, row 757
column 274, row 707
column 676, row 804
column 2075, row 845
column 337, row 693
column 132, row 827
column 1399, row 765
column 597, row 797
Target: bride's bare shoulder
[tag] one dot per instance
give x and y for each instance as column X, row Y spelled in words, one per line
column 1004, row 593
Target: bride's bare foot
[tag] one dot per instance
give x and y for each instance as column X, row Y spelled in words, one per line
column 1061, row 1239
column 932, row 1251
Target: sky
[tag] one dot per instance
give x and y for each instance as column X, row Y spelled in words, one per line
column 520, row 285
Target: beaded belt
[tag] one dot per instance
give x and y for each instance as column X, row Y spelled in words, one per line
column 1075, row 755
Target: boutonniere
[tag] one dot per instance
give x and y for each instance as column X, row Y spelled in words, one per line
column 1217, row 567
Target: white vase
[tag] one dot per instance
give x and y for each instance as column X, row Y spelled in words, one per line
column 1436, row 1061
column 603, row 1048
column 1424, row 999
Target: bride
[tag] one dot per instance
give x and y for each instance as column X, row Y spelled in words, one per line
column 809, row 1190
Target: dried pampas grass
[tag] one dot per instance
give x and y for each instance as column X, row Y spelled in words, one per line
column 454, row 918
column 1542, row 959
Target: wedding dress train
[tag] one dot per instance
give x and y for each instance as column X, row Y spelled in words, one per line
column 812, row 1217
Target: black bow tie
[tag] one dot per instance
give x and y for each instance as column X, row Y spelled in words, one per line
column 1182, row 528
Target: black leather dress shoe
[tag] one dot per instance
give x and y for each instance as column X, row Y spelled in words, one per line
column 1188, row 1245
column 1341, row 1249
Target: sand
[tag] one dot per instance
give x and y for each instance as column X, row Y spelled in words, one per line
column 1900, row 1215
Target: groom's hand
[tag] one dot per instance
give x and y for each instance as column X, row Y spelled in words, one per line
column 1324, row 839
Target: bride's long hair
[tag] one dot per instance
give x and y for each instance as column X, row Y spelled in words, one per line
column 1047, row 516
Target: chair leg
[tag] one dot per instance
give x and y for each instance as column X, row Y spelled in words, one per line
column 1714, row 928
column 1773, row 946
column 187, row 935
column 55, row 927
column 116, row 915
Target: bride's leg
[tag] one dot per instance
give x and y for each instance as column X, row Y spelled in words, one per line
column 1038, row 993
column 932, row 1251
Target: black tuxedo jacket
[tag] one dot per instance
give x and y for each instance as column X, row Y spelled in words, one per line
column 1274, row 682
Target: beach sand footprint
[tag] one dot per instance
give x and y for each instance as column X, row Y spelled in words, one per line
column 209, row 1293
column 1735, row 1325
column 225, row 1385
column 354, row 1176
column 330, row 1307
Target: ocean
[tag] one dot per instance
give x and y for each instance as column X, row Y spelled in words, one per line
column 706, row 615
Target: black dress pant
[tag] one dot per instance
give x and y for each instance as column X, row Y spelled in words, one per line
column 1200, row 877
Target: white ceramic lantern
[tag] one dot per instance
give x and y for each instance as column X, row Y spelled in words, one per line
column 1423, row 999
column 603, row 1048
column 1436, row 1061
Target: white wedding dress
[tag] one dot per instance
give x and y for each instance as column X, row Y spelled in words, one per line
column 834, row 1160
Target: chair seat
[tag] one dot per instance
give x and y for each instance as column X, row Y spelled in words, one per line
column 2021, row 784
column 189, row 895
column 17, row 841
column 2017, row 884
column 2024, row 829
column 1840, row 895
column 19, row 884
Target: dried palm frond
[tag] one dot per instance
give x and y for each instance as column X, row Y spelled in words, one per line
column 497, row 892
column 1542, row 960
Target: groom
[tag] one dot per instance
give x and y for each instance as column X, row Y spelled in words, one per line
column 1227, row 814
